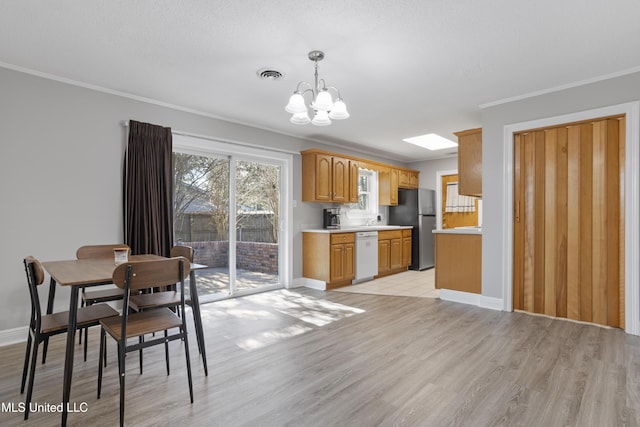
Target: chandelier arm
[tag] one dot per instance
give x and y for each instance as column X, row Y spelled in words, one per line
column 334, row 88
column 300, row 84
column 313, row 94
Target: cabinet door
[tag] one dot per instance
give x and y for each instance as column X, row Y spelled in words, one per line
column 324, row 186
column 403, row 180
column 406, row 251
column 354, row 171
column 384, row 187
column 393, row 191
column 337, row 263
column 340, row 180
column 395, row 253
column 470, row 162
column 413, row 180
column 383, row 256
column 349, row 253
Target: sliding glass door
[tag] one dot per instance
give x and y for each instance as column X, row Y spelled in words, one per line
column 228, row 208
column 257, row 222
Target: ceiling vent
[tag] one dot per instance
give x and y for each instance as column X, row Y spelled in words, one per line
column 269, row 74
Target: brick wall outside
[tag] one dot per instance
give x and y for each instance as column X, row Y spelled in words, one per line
column 252, row 256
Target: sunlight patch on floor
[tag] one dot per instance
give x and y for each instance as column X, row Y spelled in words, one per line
column 305, row 308
column 273, row 336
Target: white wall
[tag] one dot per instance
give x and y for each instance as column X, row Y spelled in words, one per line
column 429, row 168
column 60, row 174
column 601, row 94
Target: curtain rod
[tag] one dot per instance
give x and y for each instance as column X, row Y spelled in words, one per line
column 125, row 123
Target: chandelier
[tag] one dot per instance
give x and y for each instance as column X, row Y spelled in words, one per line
column 322, row 104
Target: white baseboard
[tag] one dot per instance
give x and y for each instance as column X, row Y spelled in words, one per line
column 461, row 297
column 314, row 284
column 297, row 282
column 491, row 303
column 471, row 299
column 13, row 336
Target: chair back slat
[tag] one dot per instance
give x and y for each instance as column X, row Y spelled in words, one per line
column 100, row 251
column 35, row 277
column 184, row 251
column 147, row 274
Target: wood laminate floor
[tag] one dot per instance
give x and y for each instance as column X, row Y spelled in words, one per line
column 310, row 358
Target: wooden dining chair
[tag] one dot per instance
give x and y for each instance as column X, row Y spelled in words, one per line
column 41, row 327
column 171, row 298
column 142, row 275
column 94, row 296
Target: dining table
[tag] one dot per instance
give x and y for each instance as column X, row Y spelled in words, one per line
column 82, row 273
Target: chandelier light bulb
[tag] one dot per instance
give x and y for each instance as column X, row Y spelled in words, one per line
column 300, row 118
column 321, row 118
column 296, row 104
column 339, row 111
column 323, row 101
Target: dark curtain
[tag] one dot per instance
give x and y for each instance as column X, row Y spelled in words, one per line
column 148, row 215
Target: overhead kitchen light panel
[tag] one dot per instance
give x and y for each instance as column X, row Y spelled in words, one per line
column 431, row 142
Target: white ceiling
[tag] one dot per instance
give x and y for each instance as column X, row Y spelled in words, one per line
column 404, row 68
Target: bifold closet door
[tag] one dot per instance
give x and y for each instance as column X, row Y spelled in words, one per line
column 568, row 221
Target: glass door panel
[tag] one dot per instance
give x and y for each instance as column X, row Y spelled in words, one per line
column 257, row 222
column 201, row 218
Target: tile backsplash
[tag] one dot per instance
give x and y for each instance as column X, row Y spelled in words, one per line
column 351, row 216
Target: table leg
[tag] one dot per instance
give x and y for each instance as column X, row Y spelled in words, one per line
column 195, row 306
column 52, row 295
column 68, row 359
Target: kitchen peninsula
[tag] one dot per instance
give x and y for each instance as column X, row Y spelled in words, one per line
column 459, row 259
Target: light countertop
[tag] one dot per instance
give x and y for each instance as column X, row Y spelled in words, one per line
column 356, row 228
column 460, row 230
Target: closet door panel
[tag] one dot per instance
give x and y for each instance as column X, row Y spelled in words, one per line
column 568, row 221
column 586, row 220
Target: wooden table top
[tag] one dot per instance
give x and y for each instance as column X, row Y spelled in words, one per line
column 92, row 271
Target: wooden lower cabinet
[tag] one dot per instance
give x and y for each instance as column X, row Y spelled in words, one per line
column 459, row 262
column 406, row 248
column 342, row 262
column 383, row 256
column 335, row 250
column 391, row 252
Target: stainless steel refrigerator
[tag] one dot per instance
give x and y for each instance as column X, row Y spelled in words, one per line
column 417, row 208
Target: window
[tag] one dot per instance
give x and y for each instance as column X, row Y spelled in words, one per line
column 368, row 192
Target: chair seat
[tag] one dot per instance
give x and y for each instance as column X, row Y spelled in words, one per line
column 146, row 322
column 87, row 316
column 157, row 299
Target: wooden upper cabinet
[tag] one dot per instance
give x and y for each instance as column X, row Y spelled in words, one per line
column 408, row 179
column 354, row 171
column 393, row 191
column 470, row 162
column 332, row 177
column 388, row 186
column 325, row 178
column 340, row 180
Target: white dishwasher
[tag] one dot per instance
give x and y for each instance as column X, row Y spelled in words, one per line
column 366, row 255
